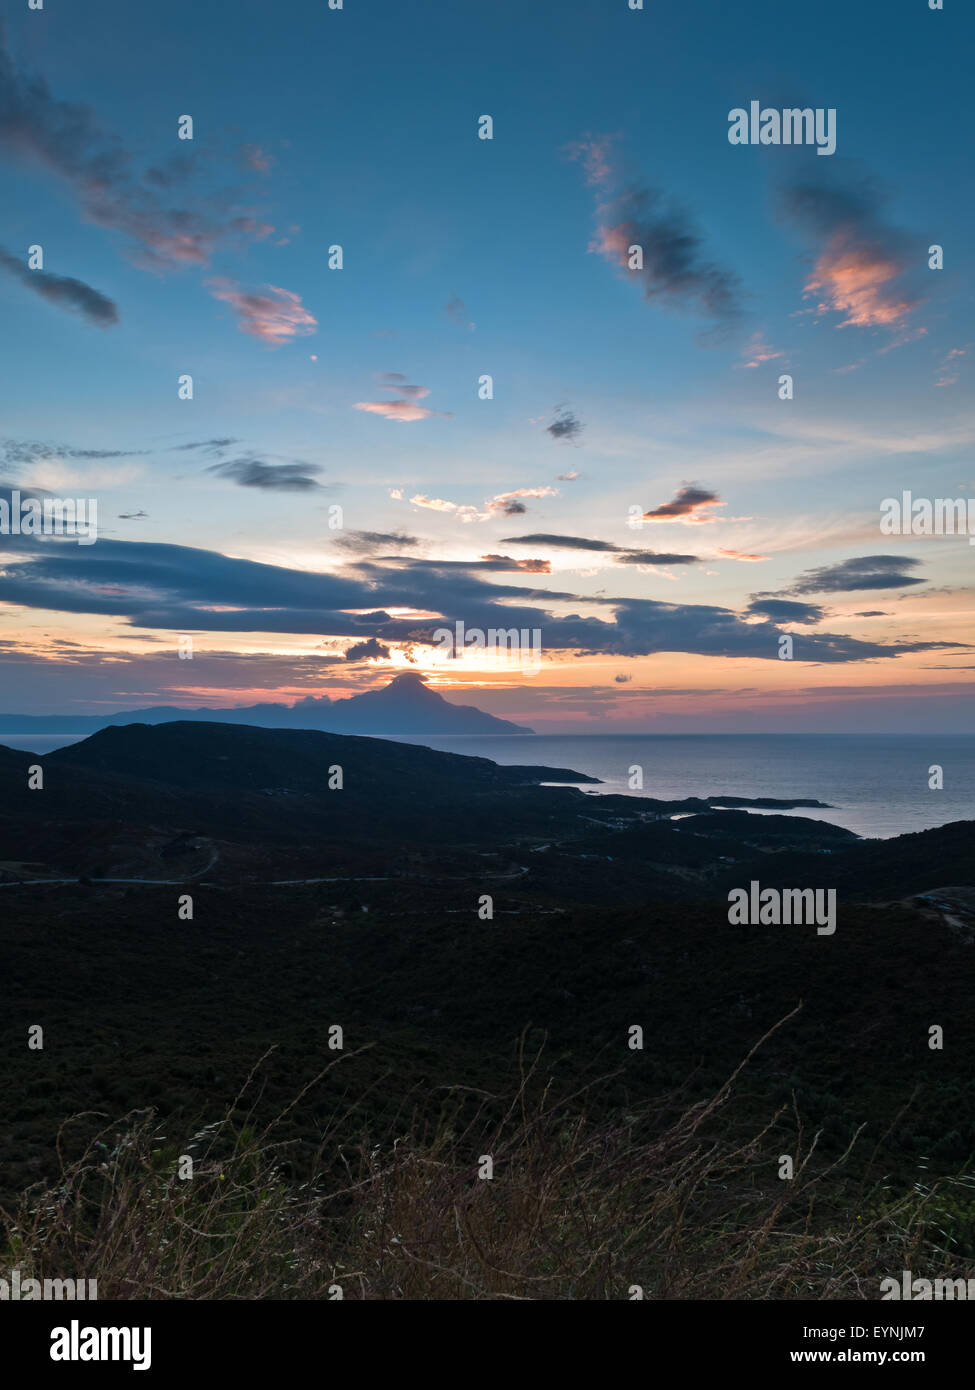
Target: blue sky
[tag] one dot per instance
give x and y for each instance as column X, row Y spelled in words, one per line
column 464, row 257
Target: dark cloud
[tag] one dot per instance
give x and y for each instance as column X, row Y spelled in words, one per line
column 368, row 542
column 24, row 452
column 676, row 272
column 66, row 139
column 181, row 589
column 625, row 555
column 132, row 516
column 862, row 572
column 456, row 310
column 872, row 613
column 622, row 680
column 64, row 291
column 689, row 499
column 210, row 446
column 566, row 424
column 371, row 648
column 505, row 562
column 652, row 557
column 563, row 542
column 499, row 564
column 783, row 610
column 252, row 471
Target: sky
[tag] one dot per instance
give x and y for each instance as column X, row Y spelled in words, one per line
column 480, row 410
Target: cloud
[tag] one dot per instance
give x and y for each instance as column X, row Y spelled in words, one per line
column 503, row 504
column 64, row 291
column 509, row 503
column 688, row 506
column 181, row 589
column 275, row 317
column 624, row 555
column 252, row 471
column 67, row 139
column 456, row 310
column 782, row 610
column 566, row 424
column 757, row 352
column 438, row 504
column 368, row 542
column 404, row 408
column 210, row 446
column 675, row 271
column 568, row 477
column 742, row 555
column 652, row 557
column 19, row 452
column 404, row 411
column 563, row 542
column 948, row 375
column 861, row 572
column 861, row 262
column 370, row 650
column 594, row 153
column 504, row 562
column 396, row 381
column 132, row 516
column 255, row 158
column 622, row 680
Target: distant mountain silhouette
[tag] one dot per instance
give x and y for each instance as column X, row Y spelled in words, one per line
column 407, row 705
column 259, row 786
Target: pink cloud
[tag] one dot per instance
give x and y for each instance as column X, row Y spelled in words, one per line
column 275, row 317
column 856, row 280
column 594, row 154
column 401, row 409
column 949, row 375
column 758, row 352
column 396, row 410
column 613, row 242
column 257, row 159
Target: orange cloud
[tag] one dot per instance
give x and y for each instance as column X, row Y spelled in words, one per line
column 741, row 555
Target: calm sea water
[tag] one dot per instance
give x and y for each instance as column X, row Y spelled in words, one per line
column 876, row 785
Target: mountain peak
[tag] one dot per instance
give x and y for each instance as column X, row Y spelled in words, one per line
column 408, row 680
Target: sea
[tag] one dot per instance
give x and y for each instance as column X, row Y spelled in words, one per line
column 876, row 785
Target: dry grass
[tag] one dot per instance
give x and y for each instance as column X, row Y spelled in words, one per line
column 575, row 1210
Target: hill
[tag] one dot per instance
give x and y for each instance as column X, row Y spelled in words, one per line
column 407, row 705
